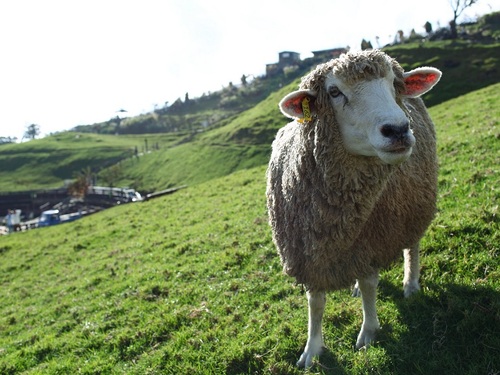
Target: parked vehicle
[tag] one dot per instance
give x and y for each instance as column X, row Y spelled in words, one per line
column 121, row 195
column 53, row 217
column 13, row 220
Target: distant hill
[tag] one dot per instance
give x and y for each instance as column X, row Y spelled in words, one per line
column 48, row 162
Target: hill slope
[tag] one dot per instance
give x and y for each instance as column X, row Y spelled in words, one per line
column 245, row 142
column 190, row 283
column 47, row 162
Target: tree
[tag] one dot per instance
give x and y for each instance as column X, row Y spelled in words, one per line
column 401, row 36
column 80, row 185
column 414, row 36
column 458, row 7
column 117, row 120
column 366, row 45
column 428, row 27
column 32, row 131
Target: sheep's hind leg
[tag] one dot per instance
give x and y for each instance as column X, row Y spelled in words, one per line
column 355, row 290
column 411, row 271
column 317, row 301
column 368, row 288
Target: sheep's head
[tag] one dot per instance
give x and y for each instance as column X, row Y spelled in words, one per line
column 363, row 93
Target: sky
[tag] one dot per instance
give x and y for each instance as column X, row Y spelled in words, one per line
column 77, row 62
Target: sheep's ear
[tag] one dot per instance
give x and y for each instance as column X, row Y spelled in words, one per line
column 299, row 105
column 419, row 81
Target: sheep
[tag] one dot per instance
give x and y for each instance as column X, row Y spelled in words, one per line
column 352, row 181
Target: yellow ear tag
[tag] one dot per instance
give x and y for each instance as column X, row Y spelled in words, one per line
column 306, row 110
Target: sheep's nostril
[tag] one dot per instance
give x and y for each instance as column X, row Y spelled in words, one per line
column 395, row 131
column 388, row 130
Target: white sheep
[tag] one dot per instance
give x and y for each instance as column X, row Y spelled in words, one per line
column 352, row 181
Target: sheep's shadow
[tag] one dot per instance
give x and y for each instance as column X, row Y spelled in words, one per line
column 329, row 363
column 452, row 329
column 452, row 325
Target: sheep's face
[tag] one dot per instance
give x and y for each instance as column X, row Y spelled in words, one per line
column 370, row 120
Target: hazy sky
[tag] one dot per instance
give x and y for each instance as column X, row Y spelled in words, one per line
column 72, row 62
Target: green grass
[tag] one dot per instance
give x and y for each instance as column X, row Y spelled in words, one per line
column 191, row 284
column 191, row 163
column 48, row 162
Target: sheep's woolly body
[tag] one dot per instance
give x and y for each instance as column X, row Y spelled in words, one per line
column 336, row 216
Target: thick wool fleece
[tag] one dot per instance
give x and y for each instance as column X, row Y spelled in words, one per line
column 336, row 216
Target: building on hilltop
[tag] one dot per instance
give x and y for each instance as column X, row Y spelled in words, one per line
column 292, row 59
column 286, row 58
column 329, row 54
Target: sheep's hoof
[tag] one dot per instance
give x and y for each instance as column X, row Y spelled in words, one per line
column 306, row 359
column 365, row 338
column 356, row 292
column 410, row 288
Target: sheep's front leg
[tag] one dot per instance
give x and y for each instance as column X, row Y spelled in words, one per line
column 317, row 301
column 368, row 288
column 411, row 271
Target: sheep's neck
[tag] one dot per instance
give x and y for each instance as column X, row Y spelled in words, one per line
column 349, row 187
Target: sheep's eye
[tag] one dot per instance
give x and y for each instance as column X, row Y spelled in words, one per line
column 334, row 92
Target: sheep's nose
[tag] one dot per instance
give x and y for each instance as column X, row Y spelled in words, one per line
column 395, row 132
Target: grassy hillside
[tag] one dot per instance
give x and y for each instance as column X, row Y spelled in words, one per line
column 47, row 162
column 244, row 142
column 466, row 66
column 190, row 283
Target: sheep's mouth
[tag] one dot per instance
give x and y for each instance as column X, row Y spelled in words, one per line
column 395, row 155
column 397, row 150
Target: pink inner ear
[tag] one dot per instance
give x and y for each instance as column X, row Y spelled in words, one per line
column 417, row 83
column 295, row 104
